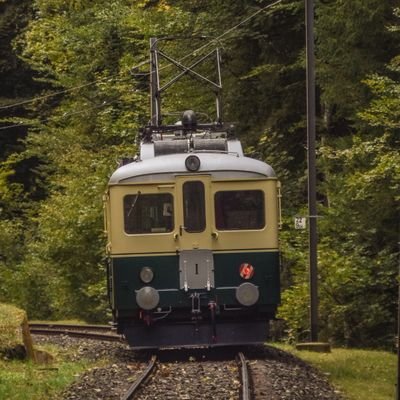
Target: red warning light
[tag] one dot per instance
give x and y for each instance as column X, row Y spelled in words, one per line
column 246, row 271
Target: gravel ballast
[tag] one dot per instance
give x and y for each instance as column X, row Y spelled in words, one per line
column 198, row 374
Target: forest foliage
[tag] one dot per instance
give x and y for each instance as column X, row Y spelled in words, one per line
column 74, row 92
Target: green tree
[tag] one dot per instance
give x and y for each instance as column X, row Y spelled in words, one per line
column 87, row 51
column 78, row 136
column 352, row 42
column 359, row 181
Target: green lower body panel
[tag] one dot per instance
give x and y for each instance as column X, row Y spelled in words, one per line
column 125, row 280
column 178, row 315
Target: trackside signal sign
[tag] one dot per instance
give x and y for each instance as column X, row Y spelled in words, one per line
column 300, row 223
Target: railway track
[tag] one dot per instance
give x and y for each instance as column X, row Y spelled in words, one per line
column 103, row 333
column 169, row 367
column 244, row 377
column 140, row 383
column 81, row 327
column 140, row 380
column 192, row 373
column 97, row 332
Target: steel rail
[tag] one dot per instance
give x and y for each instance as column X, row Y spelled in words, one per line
column 81, row 327
column 144, row 375
column 244, row 377
column 75, row 333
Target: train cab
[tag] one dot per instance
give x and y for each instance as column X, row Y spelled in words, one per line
column 192, row 229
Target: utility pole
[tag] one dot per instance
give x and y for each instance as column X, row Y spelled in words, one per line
column 312, row 200
column 398, row 331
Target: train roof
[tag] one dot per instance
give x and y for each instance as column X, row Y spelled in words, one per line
column 221, row 165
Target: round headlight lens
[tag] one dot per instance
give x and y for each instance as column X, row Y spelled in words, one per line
column 146, row 275
column 147, row 298
column 192, row 163
column 247, row 294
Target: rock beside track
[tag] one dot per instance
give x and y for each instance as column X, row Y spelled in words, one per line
column 278, row 375
column 15, row 338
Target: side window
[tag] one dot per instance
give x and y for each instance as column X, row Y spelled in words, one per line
column 148, row 213
column 239, row 209
column 194, row 214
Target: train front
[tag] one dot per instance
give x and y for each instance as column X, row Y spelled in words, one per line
column 193, row 244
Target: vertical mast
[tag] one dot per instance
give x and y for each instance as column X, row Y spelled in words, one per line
column 218, row 96
column 155, row 100
column 312, row 203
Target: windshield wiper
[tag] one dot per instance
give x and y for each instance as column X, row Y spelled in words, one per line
column 134, row 203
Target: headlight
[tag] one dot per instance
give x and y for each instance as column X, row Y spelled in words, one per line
column 147, row 298
column 247, row 294
column 146, row 275
column 192, row 163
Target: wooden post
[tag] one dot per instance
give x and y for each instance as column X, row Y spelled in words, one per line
column 27, row 339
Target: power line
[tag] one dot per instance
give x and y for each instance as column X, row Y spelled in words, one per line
column 66, row 90
column 239, row 24
column 12, row 126
column 212, row 41
column 48, row 95
column 103, row 104
column 218, row 38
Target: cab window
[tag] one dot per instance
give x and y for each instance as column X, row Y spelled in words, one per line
column 239, row 209
column 148, row 213
column 194, row 214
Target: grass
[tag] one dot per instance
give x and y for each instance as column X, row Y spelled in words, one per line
column 22, row 380
column 25, row 380
column 358, row 374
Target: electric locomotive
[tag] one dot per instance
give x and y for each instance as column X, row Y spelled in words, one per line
column 192, row 230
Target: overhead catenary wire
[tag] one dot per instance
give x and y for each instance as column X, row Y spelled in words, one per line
column 68, row 113
column 218, row 38
column 199, row 49
column 46, row 96
column 65, row 115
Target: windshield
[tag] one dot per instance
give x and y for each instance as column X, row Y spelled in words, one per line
column 148, row 213
column 239, row 209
